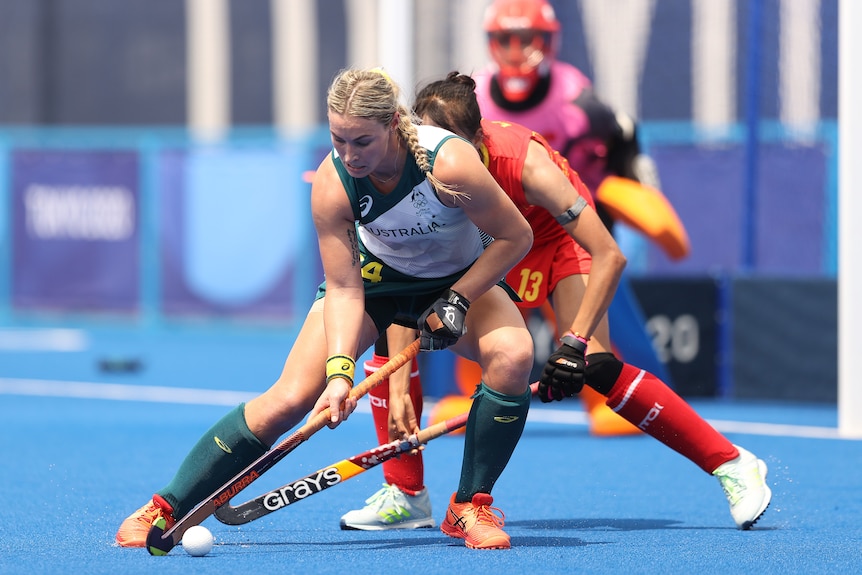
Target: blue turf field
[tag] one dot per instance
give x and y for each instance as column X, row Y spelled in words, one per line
column 79, row 454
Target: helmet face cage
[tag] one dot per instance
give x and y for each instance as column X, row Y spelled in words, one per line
column 522, row 49
column 522, row 36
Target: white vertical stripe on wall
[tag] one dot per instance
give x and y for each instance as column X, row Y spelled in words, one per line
column 208, row 54
column 799, row 65
column 713, row 63
column 617, row 33
column 449, row 36
column 361, row 16
column 294, row 65
column 470, row 48
column 395, row 42
column 432, row 20
column 849, row 214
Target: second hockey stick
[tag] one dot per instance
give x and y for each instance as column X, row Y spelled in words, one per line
column 334, row 474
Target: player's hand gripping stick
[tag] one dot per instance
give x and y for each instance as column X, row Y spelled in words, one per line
column 161, row 541
column 563, row 374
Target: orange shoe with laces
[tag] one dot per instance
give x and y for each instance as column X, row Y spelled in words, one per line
column 476, row 522
column 133, row 531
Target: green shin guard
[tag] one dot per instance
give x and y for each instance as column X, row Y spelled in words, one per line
column 493, row 430
column 223, row 451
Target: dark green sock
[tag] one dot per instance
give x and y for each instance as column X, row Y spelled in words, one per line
column 223, row 451
column 493, row 430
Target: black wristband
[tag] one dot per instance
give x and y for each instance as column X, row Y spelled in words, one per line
column 571, row 341
column 455, row 298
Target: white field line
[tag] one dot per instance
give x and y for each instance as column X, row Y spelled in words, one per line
column 184, row 395
column 121, row 392
column 57, row 340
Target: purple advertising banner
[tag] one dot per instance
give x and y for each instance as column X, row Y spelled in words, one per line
column 75, row 230
column 235, row 234
column 705, row 185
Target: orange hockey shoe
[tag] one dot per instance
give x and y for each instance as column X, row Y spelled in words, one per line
column 476, row 522
column 133, row 531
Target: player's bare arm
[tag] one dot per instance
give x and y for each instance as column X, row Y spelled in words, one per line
column 402, row 416
column 345, row 296
column 488, row 206
column 547, row 186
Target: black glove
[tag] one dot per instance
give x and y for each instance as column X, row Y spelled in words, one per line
column 563, row 374
column 444, row 322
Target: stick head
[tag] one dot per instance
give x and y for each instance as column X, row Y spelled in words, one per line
column 157, row 543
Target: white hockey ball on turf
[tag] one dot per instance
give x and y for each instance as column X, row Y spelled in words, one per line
column 197, row 541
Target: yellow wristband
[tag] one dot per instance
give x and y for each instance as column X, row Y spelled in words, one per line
column 340, row 365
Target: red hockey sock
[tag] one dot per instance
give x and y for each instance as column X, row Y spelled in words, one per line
column 644, row 400
column 407, row 472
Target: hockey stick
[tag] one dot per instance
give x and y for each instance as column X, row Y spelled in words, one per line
column 336, row 473
column 161, row 541
column 332, row 475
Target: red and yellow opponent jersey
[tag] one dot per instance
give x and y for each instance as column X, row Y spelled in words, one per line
column 554, row 254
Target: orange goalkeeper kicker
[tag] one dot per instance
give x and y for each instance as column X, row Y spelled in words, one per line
column 647, row 210
column 161, row 541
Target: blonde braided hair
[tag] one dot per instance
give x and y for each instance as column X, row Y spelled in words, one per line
column 373, row 95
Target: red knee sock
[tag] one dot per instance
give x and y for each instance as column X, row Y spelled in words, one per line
column 407, row 472
column 644, row 400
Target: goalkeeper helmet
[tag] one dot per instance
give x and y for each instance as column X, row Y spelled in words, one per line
column 522, row 39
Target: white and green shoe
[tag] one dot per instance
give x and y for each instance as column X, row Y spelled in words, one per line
column 744, row 483
column 391, row 508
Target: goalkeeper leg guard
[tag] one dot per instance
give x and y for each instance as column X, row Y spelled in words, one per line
column 407, row 472
column 493, row 429
column 223, row 451
column 644, row 400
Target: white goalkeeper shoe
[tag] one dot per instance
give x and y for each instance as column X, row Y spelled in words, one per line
column 743, row 480
column 391, row 508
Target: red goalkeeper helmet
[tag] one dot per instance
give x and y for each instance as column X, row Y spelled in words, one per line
column 522, row 38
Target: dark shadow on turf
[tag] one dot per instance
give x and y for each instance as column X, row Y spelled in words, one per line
column 430, row 538
column 387, row 542
column 601, row 524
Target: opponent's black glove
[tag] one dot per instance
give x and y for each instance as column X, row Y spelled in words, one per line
column 563, row 374
column 444, row 322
